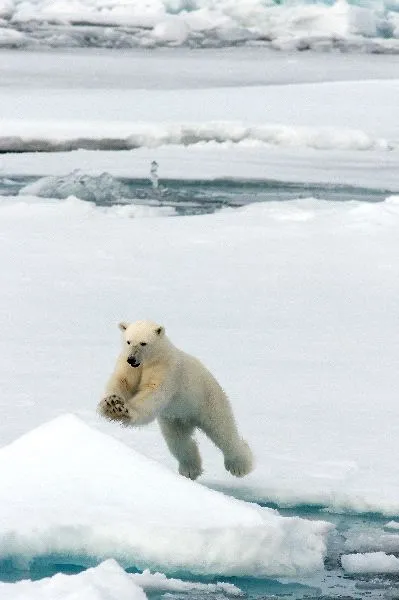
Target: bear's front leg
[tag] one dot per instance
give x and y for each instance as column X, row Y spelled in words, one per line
column 115, row 408
column 147, row 403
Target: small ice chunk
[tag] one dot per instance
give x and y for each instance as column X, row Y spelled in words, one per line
column 159, row 582
column 370, row 562
column 94, row 188
column 172, row 30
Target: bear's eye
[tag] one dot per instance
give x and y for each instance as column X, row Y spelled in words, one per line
column 127, row 342
column 143, row 343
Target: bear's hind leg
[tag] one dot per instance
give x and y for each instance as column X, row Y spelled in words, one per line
column 222, row 431
column 178, row 436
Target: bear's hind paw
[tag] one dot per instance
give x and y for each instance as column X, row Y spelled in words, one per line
column 190, row 470
column 240, row 464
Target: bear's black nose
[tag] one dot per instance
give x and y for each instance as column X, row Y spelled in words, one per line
column 133, row 362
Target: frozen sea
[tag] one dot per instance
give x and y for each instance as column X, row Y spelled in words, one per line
column 269, row 250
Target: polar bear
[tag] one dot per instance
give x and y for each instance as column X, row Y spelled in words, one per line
column 155, row 380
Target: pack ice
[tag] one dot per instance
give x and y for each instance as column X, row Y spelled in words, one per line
column 68, row 489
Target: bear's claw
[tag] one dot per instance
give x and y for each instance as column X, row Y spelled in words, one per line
column 114, row 408
column 191, row 471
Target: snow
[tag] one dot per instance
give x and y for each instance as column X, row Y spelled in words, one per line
column 144, row 516
column 369, row 26
column 123, row 119
column 305, row 288
column 73, row 207
column 370, row 562
column 108, row 137
column 108, row 581
column 182, row 68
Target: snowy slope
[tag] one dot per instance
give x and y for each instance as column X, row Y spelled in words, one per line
column 74, row 491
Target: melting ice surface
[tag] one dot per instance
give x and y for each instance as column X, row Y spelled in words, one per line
column 137, row 197
column 370, row 25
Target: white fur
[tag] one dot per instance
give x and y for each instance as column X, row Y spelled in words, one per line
column 175, row 388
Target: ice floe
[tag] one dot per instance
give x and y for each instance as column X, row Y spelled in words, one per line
column 370, row 562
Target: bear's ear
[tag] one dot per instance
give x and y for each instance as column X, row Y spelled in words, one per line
column 123, row 325
column 160, row 331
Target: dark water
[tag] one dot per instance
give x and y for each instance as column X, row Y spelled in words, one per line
column 191, row 197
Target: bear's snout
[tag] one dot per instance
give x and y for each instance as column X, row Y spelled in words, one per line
column 133, row 362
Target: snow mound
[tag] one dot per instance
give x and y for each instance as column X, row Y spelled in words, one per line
column 81, row 492
column 370, row 562
column 94, row 188
column 56, row 137
column 108, row 581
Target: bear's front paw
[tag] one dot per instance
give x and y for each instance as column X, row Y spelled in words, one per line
column 113, row 407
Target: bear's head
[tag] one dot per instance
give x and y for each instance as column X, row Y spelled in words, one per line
column 141, row 340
